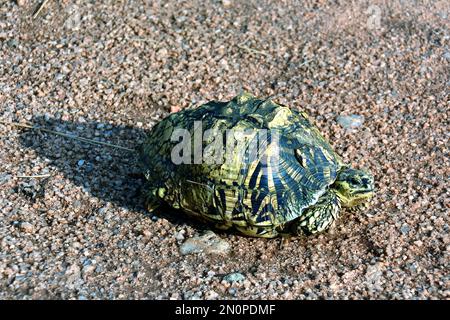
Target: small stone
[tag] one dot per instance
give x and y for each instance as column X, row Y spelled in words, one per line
column 12, row 43
column 89, row 167
column 80, row 163
column 99, row 269
column 26, row 227
column 147, row 233
column 4, row 178
column 87, row 262
column 20, row 278
column 73, row 274
column 211, row 295
column 418, row 243
column 180, row 235
column 404, row 229
column 88, row 269
column 232, row 291
column 59, row 76
column 175, row 296
column 351, row 121
column 234, row 277
column 162, row 54
column 174, row 109
column 226, row 3
column 373, row 276
column 102, row 210
column 208, row 243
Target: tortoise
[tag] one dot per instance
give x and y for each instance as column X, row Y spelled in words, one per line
column 259, row 168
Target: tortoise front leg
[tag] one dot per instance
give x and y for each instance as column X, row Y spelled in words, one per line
column 153, row 198
column 320, row 216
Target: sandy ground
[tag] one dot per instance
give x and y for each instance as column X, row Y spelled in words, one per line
column 110, row 70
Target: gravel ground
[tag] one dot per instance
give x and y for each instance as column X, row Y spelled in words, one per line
column 374, row 76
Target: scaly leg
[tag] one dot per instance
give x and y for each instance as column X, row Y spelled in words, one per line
column 153, row 198
column 320, row 216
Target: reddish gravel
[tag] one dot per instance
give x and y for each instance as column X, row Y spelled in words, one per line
column 110, row 70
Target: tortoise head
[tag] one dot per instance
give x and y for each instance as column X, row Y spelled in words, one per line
column 354, row 187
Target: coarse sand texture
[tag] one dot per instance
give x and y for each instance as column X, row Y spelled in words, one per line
column 372, row 75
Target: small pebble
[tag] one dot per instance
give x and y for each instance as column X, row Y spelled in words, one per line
column 89, row 269
column 234, row 277
column 26, row 227
column 211, row 295
column 404, row 229
column 232, row 291
column 351, row 121
column 89, row 167
column 208, row 243
column 226, row 3
column 174, row 109
column 180, row 235
column 12, row 43
column 20, row 278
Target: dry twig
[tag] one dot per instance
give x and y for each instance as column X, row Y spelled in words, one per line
column 251, row 50
column 39, row 8
column 66, row 135
column 38, row 176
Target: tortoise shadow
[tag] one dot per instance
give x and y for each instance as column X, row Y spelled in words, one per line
column 110, row 174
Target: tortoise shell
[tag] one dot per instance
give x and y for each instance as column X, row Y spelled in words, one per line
column 257, row 193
